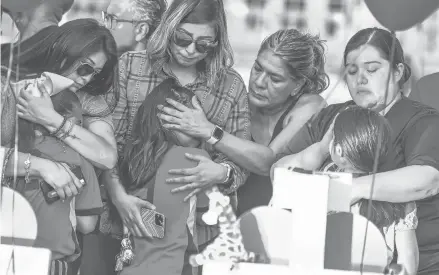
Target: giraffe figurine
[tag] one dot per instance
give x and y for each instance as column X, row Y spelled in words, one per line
column 228, row 246
column 217, row 202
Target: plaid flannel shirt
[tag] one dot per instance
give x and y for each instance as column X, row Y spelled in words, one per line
column 226, row 107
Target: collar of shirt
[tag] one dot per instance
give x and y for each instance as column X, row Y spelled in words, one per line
column 200, row 80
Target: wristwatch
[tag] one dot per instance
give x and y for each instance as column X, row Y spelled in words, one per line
column 230, row 171
column 217, row 135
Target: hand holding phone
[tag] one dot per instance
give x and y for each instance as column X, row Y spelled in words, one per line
column 154, row 222
column 49, row 193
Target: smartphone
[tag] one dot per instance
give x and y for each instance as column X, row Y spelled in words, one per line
column 49, row 192
column 154, row 222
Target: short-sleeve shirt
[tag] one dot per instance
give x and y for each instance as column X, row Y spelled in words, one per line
column 93, row 105
column 415, row 141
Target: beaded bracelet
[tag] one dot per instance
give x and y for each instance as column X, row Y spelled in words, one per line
column 27, row 164
column 56, row 132
column 69, row 130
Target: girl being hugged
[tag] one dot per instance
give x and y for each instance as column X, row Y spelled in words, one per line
column 353, row 141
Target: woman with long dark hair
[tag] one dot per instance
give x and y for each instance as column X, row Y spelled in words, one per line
column 84, row 52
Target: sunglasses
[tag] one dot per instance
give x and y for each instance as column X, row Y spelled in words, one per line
column 85, row 69
column 183, row 40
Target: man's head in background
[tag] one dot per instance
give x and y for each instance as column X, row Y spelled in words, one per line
column 46, row 13
column 133, row 21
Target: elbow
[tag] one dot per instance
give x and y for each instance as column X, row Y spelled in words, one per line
column 265, row 169
column 87, row 224
column 264, row 165
column 430, row 186
column 108, row 160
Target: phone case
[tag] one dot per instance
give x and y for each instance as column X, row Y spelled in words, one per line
column 49, row 192
column 154, row 222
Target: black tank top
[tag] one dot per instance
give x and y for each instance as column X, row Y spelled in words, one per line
column 257, row 190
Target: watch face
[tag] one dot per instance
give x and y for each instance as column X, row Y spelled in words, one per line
column 218, row 133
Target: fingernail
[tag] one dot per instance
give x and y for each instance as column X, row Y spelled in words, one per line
column 159, row 107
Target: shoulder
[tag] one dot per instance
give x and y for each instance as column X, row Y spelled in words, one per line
column 232, row 83
column 322, row 120
column 133, row 60
column 422, row 115
column 92, row 105
column 310, row 101
column 231, row 73
column 330, row 111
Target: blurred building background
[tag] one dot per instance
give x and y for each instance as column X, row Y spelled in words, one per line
column 250, row 21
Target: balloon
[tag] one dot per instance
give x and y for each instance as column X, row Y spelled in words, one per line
column 20, row 5
column 399, row 15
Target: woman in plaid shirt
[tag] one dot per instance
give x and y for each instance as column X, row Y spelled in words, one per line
column 190, row 45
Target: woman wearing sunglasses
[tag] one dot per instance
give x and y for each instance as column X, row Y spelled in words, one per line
column 191, row 46
column 285, row 82
column 84, row 52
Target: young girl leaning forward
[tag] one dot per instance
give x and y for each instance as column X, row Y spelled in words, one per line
column 58, row 221
column 353, row 140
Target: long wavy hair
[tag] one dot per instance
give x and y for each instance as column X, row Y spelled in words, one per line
column 194, row 12
column 60, row 49
column 359, row 132
column 149, row 140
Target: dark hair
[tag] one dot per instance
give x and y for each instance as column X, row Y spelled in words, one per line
column 59, row 50
column 303, row 55
column 66, row 103
column 382, row 41
column 149, row 140
column 359, row 131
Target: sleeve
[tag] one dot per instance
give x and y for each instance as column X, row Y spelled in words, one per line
column 420, row 146
column 237, row 124
column 314, row 130
column 89, row 201
column 410, row 219
column 7, row 105
column 121, row 111
column 95, row 105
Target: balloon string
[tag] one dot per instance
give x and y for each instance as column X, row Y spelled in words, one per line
column 376, row 158
column 11, row 264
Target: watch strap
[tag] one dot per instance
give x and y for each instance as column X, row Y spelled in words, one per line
column 216, row 135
